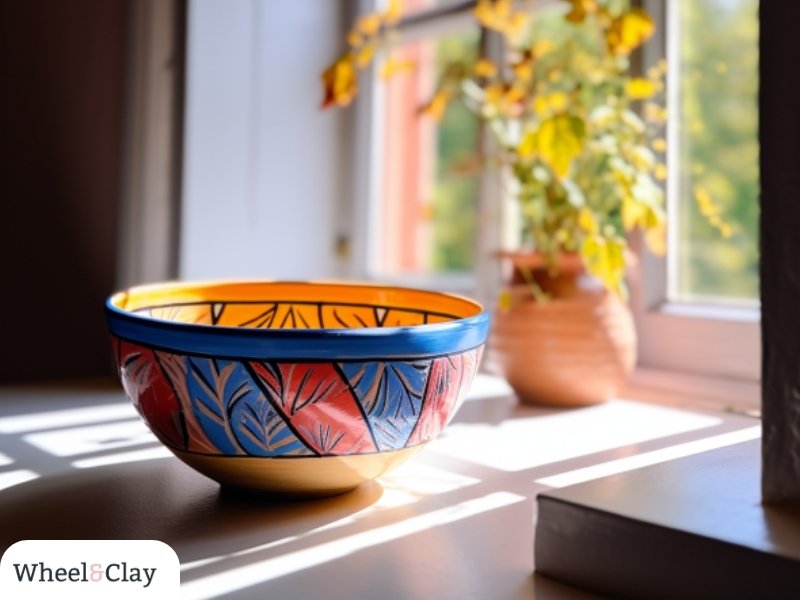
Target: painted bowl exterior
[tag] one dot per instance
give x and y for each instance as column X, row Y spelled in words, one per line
column 358, row 374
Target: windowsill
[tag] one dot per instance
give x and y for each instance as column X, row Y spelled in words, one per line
column 468, row 498
column 741, row 312
column 692, row 390
column 693, row 527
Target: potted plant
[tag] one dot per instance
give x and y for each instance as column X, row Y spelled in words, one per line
column 580, row 136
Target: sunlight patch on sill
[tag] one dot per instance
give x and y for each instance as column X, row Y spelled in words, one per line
column 630, row 463
column 526, row 442
column 64, row 418
column 415, row 480
column 12, row 478
column 93, row 438
column 488, row 386
column 123, row 457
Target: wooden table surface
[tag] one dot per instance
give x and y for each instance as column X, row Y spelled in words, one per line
column 456, row 521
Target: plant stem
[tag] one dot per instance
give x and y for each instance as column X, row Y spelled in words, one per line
column 538, row 293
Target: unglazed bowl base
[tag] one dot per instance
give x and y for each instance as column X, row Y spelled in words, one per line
column 311, row 476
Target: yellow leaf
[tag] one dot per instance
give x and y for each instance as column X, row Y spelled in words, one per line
column 498, row 15
column 364, row 55
column 516, row 24
column 523, row 71
column 657, row 71
column 587, row 222
column 639, row 214
column 629, row 31
column 632, row 213
column 711, row 211
column 527, row 146
column 504, row 301
column 547, row 104
column 542, row 47
column 656, row 240
column 393, row 12
column 659, row 145
column 340, row 82
column 704, row 202
column 369, row 24
column 392, row 66
column 642, row 158
column 503, row 99
column 639, row 88
column 559, row 140
column 540, row 105
column 655, row 113
column 493, row 97
column 605, row 259
column 660, row 172
column 485, row 13
column 513, row 96
column 558, row 101
column 437, row 105
column 354, row 38
column 579, row 9
column 485, row 68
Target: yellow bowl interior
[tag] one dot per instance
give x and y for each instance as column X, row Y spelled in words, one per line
column 281, row 305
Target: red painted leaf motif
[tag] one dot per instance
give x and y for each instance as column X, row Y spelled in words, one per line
column 448, row 381
column 150, row 392
column 318, row 404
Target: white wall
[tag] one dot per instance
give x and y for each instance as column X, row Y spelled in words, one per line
column 263, row 165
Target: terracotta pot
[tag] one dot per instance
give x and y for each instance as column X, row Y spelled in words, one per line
column 577, row 348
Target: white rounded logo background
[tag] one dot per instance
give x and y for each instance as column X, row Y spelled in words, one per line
column 88, row 569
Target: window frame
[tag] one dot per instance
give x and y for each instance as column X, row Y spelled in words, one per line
column 702, row 341
column 359, row 233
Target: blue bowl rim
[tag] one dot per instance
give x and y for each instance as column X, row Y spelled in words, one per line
column 375, row 343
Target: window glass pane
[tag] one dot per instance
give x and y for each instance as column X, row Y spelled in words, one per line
column 714, row 153
column 428, row 201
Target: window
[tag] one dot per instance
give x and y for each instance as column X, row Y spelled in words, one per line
column 420, row 190
column 715, row 158
column 696, row 310
column 428, row 196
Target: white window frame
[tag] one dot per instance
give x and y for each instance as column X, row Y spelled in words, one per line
column 689, row 346
column 359, row 227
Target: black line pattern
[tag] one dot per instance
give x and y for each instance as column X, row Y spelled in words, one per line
column 350, row 315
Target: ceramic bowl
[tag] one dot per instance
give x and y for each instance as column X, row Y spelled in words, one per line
column 295, row 388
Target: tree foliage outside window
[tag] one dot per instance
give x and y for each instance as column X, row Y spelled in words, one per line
column 717, row 174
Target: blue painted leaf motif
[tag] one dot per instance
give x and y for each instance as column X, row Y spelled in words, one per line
column 215, row 387
column 391, row 395
column 260, row 429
